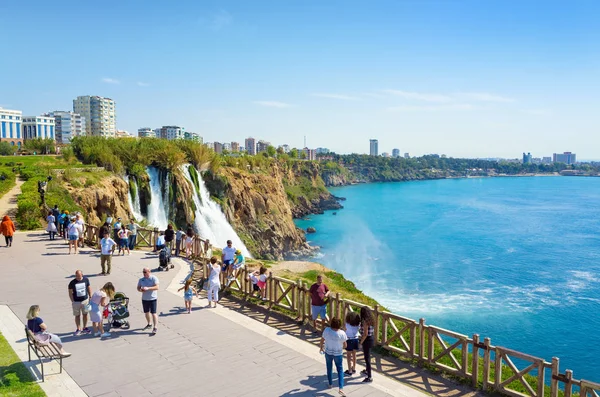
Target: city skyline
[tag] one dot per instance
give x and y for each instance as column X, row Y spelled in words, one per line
column 464, row 78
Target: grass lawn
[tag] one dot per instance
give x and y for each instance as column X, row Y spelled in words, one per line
column 15, row 379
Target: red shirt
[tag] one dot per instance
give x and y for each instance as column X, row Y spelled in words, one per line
column 317, row 294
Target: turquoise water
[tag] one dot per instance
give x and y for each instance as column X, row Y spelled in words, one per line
column 513, row 259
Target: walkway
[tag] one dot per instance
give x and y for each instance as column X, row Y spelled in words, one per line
column 8, row 202
column 210, row 352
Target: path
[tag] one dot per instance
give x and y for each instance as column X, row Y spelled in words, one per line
column 210, row 352
column 8, row 202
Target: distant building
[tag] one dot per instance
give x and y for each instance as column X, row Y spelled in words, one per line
column 38, row 127
column 406, row 155
column 527, row 158
column 122, row 134
column 218, row 147
column 210, row 145
column 395, row 153
column 235, row 147
column 262, row 146
column 227, row 146
column 310, row 154
column 546, row 160
column 146, row 132
column 566, row 157
column 321, row 150
column 385, row 154
column 373, row 147
column 10, row 127
column 250, row 144
column 67, row 125
column 99, row 113
column 171, row 132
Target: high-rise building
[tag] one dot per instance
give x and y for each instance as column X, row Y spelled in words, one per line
column 10, row 127
column 218, row 147
column 193, row 136
column 235, row 147
column 527, row 158
column 250, row 144
column 566, row 157
column 546, row 160
column 406, row 155
column 395, row 153
column 146, row 132
column 68, row 125
column 227, row 146
column 171, row 132
column 99, row 113
column 310, row 154
column 373, row 147
column 321, row 150
column 385, row 154
column 262, row 146
column 285, row 148
column 38, row 127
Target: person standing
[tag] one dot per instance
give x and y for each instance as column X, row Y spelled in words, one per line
column 124, row 240
column 56, row 213
column 228, row 256
column 98, row 302
column 160, row 242
column 367, row 322
column 189, row 241
column 133, row 229
column 333, row 343
column 188, row 294
column 148, row 286
column 178, row 241
column 107, row 248
column 318, row 296
column 116, row 228
column 51, row 228
column 81, row 226
column 7, row 228
column 352, row 333
column 80, row 292
column 73, row 232
column 169, row 237
column 63, row 221
column 214, row 282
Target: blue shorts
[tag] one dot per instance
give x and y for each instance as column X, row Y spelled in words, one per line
column 226, row 264
column 73, row 237
column 318, row 311
column 123, row 243
column 351, row 345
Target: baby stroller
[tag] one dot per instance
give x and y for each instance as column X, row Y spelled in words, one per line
column 164, row 259
column 118, row 309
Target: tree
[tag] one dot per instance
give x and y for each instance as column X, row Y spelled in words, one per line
column 294, row 153
column 271, row 151
column 6, row 149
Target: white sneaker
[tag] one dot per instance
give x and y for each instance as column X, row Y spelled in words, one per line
column 105, row 335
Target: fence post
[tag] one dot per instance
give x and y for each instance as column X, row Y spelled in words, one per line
column 413, row 338
column 377, row 314
column 553, row 380
column 465, row 357
column 541, row 379
column 486, row 363
column 475, row 366
column 384, row 329
column 422, row 339
column 338, row 299
column 299, row 301
column 569, row 383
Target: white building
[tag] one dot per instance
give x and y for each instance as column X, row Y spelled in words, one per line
column 250, row 145
column 38, row 127
column 227, row 146
column 406, row 155
column 146, row 132
column 322, row 150
column 10, row 127
column 285, row 148
column 68, row 125
column 99, row 113
column 171, row 132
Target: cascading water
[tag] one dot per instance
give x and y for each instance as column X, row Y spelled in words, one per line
column 210, row 219
column 134, row 205
column 158, row 210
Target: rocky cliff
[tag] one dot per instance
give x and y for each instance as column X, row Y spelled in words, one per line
column 107, row 196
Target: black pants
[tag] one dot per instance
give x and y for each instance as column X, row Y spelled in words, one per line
column 367, row 346
column 8, row 240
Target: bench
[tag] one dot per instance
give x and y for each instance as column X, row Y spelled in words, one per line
column 42, row 351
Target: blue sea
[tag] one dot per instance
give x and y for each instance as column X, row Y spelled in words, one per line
column 513, row 259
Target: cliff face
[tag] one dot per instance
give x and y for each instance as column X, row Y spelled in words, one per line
column 108, row 196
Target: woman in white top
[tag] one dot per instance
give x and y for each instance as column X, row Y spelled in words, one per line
column 51, row 226
column 352, row 333
column 214, row 282
column 98, row 301
column 333, row 343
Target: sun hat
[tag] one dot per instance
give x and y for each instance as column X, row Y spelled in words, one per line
column 238, row 251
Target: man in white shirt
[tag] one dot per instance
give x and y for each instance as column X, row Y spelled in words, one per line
column 228, row 256
column 107, row 248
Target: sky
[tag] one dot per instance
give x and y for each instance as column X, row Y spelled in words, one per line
column 490, row 78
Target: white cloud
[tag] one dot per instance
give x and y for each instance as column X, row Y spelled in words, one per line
column 484, row 97
column 273, row 104
column 111, row 80
column 337, row 96
column 142, row 84
column 427, row 97
column 432, row 108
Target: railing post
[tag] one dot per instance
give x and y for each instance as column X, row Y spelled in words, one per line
column 553, row 380
column 413, row 337
column 541, row 379
column 384, row 330
column 486, row 363
column 338, row 299
column 498, row 369
column 377, row 315
column 465, row 357
column 569, row 384
column 430, row 345
column 422, row 338
column 475, row 367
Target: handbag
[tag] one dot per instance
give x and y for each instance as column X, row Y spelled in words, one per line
column 87, row 308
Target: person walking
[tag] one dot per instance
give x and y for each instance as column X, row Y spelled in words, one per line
column 214, row 282
column 124, row 240
column 80, row 292
column 7, row 228
column 51, row 228
column 64, row 222
column 36, row 325
column 352, row 333
column 188, row 294
column 318, row 296
column 228, row 256
column 81, row 226
column 133, row 229
column 73, row 232
column 105, row 228
column 107, row 248
column 169, row 237
column 148, row 286
column 98, row 302
column 333, row 343
column 367, row 340
column 189, row 241
column 178, row 241
column 56, row 214
column 116, row 228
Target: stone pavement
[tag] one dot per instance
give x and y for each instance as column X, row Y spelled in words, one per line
column 209, row 352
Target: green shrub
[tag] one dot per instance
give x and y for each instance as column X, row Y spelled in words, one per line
column 28, row 215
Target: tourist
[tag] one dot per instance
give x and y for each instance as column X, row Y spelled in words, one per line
column 188, row 294
column 178, row 241
column 64, row 222
column 81, row 226
column 40, row 331
column 367, row 341
column 133, row 229
column 333, row 343
column 253, row 277
column 228, row 256
column 214, row 282
column 107, row 248
column 56, row 214
column 238, row 263
column 207, row 249
column 352, row 333
column 262, row 282
column 80, row 292
column 105, row 228
column 116, row 229
column 160, row 242
column 189, row 241
column 51, row 228
column 7, row 228
column 148, row 286
column 98, row 302
column 73, row 232
column 318, row 296
column 169, row 237
column 124, row 240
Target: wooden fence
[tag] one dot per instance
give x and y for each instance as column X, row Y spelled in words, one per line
column 485, row 366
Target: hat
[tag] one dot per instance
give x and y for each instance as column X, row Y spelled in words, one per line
column 238, row 252
column 66, row 211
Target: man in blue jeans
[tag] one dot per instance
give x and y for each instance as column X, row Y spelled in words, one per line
column 318, row 302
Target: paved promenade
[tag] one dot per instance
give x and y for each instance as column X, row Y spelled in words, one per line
column 209, row 352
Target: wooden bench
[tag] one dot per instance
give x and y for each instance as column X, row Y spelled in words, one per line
column 42, row 351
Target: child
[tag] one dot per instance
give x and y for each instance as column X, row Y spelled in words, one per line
column 188, row 294
column 262, row 282
column 253, row 277
column 352, row 328
column 214, row 282
column 124, row 240
column 238, row 262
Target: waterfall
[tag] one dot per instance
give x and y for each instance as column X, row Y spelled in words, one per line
column 134, row 205
column 210, row 221
column 157, row 210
